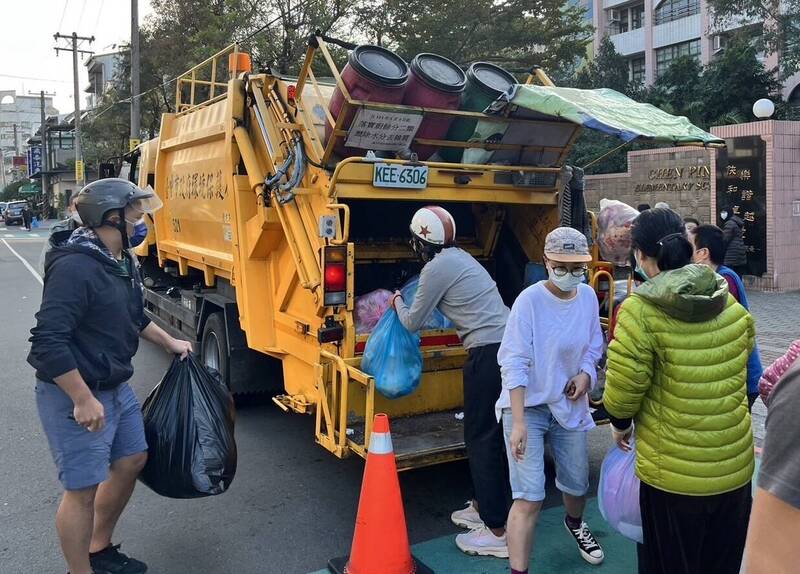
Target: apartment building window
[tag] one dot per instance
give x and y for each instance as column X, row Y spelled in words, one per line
column 670, row 10
column 637, row 70
column 637, row 16
column 623, row 20
column 665, row 55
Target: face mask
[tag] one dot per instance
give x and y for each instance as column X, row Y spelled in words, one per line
column 139, row 233
column 639, row 269
column 566, row 283
column 724, row 214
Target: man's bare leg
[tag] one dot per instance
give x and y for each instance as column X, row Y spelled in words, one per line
column 112, row 497
column 74, row 521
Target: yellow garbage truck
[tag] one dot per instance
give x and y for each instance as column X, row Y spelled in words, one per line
column 268, row 236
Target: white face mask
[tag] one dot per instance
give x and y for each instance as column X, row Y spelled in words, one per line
column 724, row 215
column 566, row 283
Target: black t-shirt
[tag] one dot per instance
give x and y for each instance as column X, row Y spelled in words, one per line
column 780, row 468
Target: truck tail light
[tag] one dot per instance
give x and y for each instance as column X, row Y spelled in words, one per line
column 335, row 276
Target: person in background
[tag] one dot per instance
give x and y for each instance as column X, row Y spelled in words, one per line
column 662, row 205
column 27, row 217
column 709, row 249
column 676, row 378
column 454, row 282
column 775, row 521
column 548, row 359
column 775, row 371
column 735, row 250
column 87, row 331
column 642, row 207
column 690, row 223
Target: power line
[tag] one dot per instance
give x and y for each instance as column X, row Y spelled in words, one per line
column 99, row 13
column 63, row 13
column 274, row 20
column 34, row 78
column 80, row 18
column 168, row 82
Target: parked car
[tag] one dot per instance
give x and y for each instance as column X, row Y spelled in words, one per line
column 13, row 212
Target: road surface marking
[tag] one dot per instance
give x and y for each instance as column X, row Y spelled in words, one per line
column 24, row 262
column 9, row 235
column 33, row 235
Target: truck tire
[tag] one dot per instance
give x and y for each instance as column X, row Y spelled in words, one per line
column 214, row 346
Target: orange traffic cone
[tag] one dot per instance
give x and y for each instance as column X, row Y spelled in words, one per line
column 380, row 542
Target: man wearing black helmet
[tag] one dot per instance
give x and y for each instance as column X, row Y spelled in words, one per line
column 87, row 331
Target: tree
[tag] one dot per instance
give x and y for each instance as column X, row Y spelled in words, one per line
column 11, row 191
column 516, row 34
column 608, row 69
column 680, row 90
column 781, row 29
column 733, row 81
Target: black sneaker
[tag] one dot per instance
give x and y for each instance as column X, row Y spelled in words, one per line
column 112, row 561
column 589, row 548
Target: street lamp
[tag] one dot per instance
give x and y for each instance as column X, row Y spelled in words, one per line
column 763, row 109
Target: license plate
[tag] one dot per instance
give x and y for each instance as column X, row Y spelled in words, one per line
column 402, row 176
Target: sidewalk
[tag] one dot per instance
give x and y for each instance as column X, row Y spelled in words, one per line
column 776, row 326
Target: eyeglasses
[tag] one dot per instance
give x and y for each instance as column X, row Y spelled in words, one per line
column 576, row 272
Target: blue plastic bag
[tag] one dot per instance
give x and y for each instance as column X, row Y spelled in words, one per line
column 618, row 493
column 436, row 320
column 393, row 357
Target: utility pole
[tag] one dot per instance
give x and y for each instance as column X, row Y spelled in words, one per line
column 45, row 157
column 79, row 169
column 135, row 109
column 16, row 140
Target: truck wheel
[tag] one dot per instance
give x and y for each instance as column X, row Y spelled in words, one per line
column 214, row 346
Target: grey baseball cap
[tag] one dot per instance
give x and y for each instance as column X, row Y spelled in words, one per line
column 567, row 245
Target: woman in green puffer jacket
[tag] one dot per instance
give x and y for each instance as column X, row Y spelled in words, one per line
column 676, row 377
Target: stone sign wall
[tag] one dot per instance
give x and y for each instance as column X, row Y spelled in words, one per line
column 679, row 176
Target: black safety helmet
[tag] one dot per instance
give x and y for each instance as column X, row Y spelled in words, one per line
column 103, row 197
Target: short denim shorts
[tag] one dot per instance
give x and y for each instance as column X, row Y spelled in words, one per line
column 570, row 451
column 83, row 458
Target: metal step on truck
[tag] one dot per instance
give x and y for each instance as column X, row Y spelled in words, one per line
column 268, row 235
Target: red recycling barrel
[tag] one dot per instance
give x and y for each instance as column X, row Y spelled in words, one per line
column 435, row 82
column 372, row 74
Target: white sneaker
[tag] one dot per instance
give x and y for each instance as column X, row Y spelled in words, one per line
column 467, row 517
column 482, row 542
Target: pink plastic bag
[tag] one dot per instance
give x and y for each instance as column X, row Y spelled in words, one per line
column 614, row 231
column 618, row 493
column 369, row 309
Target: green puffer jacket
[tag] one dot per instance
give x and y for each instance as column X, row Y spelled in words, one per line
column 678, row 367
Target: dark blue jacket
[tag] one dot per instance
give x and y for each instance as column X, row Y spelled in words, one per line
column 90, row 317
column 754, row 368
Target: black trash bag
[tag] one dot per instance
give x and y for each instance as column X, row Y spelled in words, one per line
column 188, row 422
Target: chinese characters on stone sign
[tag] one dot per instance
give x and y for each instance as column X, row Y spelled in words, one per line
column 741, row 191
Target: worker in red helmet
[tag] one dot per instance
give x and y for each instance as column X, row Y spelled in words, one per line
column 455, row 283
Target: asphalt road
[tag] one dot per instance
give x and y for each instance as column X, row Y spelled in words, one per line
column 291, row 507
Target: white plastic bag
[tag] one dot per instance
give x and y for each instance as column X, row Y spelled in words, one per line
column 614, row 231
column 618, row 493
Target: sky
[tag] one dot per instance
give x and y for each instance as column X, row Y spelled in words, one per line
column 27, row 59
